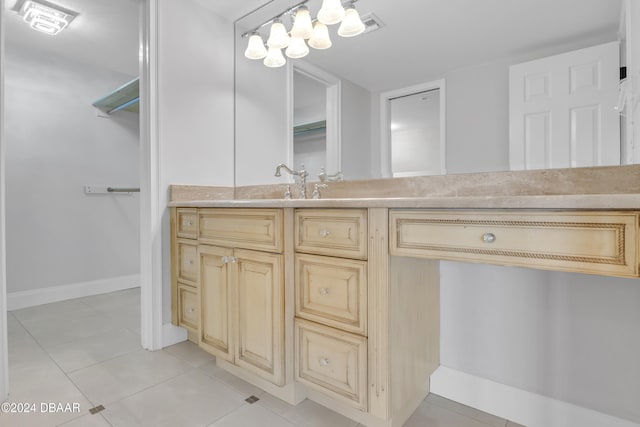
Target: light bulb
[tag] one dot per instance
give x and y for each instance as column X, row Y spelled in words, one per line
column 351, row 24
column 331, row 12
column 255, row 47
column 297, row 48
column 278, row 37
column 274, row 58
column 320, row 38
column 302, row 27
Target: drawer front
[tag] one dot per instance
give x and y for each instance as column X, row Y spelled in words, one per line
column 333, row 232
column 188, row 307
column 584, row 242
column 259, row 229
column 187, row 223
column 332, row 291
column 333, row 362
column 187, row 261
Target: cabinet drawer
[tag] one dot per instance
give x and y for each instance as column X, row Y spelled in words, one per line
column 332, row 291
column 259, row 229
column 334, row 232
column 333, row 362
column 584, row 242
column 187, row 260
column 187, row 223
column 188, row 307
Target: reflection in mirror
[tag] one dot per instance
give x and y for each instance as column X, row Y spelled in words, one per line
column 309, row 122
column 415, row 134
column 413, row 130
column 469, row 44
column 316, row 119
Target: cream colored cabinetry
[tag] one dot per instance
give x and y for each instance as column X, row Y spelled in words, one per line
column 585, row 242
column 331, row 303
column 185, row 303
column 236, row 267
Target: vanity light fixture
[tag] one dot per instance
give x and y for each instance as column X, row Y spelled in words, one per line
column 351, row 25
column 46, row 17
column 304, row 28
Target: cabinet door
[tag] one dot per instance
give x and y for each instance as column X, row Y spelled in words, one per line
column 260, row 318
column 216, row 295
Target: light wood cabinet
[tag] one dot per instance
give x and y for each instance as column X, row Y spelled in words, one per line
column 332, row 361
column 235, row 301
column 342, row 305
column 332, row 291
column 584, row 242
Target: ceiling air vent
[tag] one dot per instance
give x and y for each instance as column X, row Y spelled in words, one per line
column 371, row 23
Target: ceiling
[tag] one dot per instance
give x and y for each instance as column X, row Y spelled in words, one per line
column 105, row 33
column 421, row 40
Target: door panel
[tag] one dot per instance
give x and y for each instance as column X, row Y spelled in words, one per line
column 260, row 330
column 216, row 296
column 562, row 110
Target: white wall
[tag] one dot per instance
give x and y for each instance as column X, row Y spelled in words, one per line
column 195, row 107
column 356, row 131
column 567, row 336
column 55, row 145
column 262, row 129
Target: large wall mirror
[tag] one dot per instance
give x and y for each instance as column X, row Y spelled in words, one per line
column 467, row 44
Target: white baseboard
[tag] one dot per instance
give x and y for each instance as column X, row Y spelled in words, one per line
column 33, row 297
column 522, row 407
column 172, row 334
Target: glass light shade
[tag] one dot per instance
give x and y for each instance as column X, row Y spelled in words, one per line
column 320, row 38
column 274, row 58
column 302, row 27
column 278, row 37
column 255, row 47
column 297, row 48
column 351, row 25
column 331, row 12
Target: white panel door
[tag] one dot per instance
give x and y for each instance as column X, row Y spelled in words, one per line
column 562, row 112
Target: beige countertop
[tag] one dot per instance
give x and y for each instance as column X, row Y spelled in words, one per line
column 579, row 201
column 605, row 187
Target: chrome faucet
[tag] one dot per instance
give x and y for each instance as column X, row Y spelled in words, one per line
column 303, row 174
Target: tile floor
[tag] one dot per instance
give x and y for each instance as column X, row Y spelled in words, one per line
column 87, row 351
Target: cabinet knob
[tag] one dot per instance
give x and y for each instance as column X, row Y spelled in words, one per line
column 324, row 361
column 188, row 223
column 324, row 233
column 190, row 261
column 191, row 309
column 229, row 259
column 323, row 291
column 488, row 237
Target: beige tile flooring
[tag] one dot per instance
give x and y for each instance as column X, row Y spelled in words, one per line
column 87, row 351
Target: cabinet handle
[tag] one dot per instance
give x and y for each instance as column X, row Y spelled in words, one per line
column 323, row 291
column 488, row 237
column 324, row 233
column 324, row 361
column 229, row 259
column 191, row 309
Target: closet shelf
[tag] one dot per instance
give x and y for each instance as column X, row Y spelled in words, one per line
column 307, row 128
column 125, row 98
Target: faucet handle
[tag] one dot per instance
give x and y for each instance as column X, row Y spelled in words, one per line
column 287, row 193
column 316, row 190
column 335, row 177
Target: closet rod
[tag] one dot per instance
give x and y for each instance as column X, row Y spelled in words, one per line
column 123, row 190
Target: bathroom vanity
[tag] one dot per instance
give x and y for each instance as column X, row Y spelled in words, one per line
column 337, row 299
